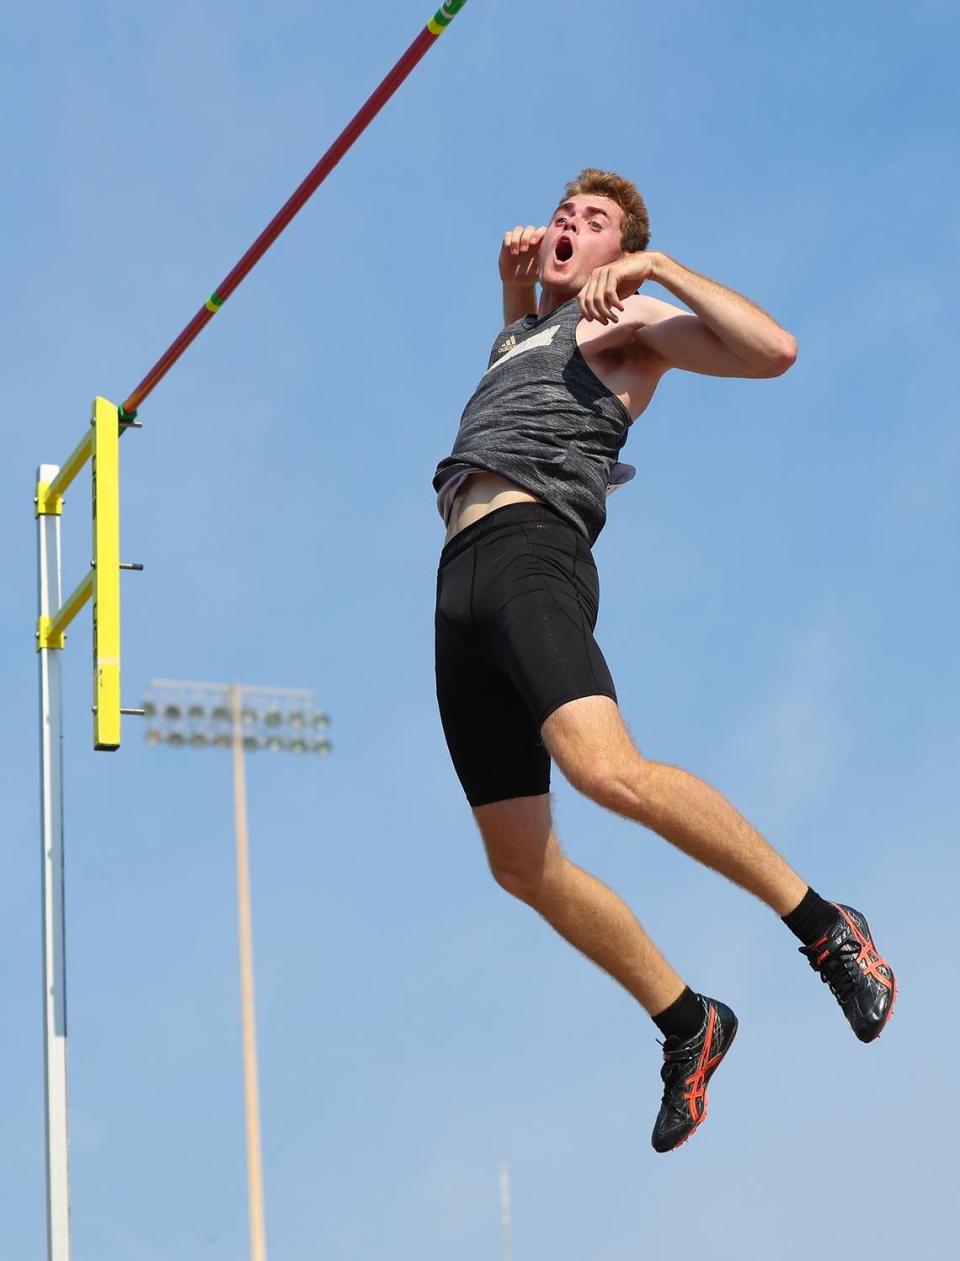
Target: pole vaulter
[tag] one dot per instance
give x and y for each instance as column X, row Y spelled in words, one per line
column 355, row 128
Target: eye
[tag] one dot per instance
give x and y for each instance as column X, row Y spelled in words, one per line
column 560, row 219
column 595, row 223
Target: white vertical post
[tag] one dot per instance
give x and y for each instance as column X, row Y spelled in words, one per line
column 51, row 832
column 506, row 1247
column 258, row 1230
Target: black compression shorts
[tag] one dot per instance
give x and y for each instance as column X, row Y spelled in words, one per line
column 517, row 602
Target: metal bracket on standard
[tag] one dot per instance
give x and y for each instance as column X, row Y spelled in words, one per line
column 45, row 504
column 46, row 636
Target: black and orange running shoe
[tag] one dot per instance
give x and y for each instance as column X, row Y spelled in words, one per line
column 687, row 1068
column 861, row 979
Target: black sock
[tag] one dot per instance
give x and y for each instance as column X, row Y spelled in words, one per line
column 812, row 919
column 683, row 1018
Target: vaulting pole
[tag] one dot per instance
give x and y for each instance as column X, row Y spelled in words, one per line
column 358, row 124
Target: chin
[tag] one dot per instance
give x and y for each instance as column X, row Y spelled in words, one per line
column 560, row 285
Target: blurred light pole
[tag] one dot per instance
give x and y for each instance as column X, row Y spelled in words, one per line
column 245, row 719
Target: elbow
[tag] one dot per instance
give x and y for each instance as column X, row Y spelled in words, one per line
column 781, row 356
column 773, row 357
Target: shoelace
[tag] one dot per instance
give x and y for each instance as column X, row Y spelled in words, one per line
column 673, row 1070
column 841, row 970
column 669, row 1074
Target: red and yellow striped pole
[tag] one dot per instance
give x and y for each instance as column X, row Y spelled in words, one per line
column 357, row 125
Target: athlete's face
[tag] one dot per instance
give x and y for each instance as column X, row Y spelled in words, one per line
column 583, row 234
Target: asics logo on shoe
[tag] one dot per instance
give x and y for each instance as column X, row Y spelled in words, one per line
column 697, row 1082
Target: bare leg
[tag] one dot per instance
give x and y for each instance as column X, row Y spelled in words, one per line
column 526, row 859
column 589, row 742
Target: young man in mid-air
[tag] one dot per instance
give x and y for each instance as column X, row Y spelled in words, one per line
column 520, row 678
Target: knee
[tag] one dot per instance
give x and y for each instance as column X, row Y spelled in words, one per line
column 521, row 881
column 521, row 846
column 616, row 783
column 526, row 878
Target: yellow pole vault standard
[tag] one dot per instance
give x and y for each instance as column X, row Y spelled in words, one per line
column 106, row 576
column 101, row 585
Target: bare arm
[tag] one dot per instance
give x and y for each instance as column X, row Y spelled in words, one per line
column 727, row 334
column 518, row 272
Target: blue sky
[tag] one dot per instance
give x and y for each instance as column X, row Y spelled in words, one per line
column 779, row 611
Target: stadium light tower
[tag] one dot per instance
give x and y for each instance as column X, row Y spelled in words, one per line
column 245, row 719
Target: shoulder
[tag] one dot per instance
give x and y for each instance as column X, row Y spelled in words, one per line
column 518, row 326
column 640, row 311
column 642, row 314
column 623, row 341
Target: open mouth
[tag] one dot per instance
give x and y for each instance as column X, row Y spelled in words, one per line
column 563, row 250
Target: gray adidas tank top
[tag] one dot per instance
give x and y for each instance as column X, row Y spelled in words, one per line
column 542, row 418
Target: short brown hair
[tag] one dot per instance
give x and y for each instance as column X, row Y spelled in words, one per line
column 635, row 232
